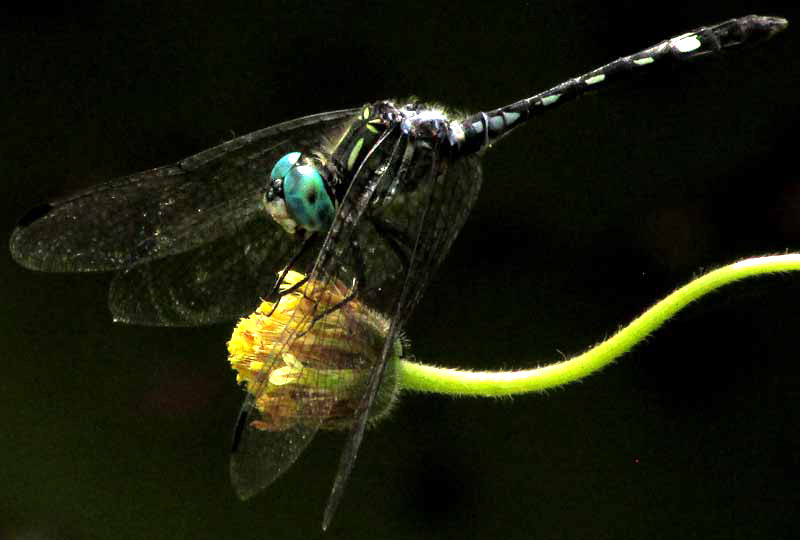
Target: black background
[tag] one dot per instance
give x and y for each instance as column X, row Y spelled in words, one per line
column 586, row 217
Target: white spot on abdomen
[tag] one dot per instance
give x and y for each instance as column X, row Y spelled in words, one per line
column 686, row 43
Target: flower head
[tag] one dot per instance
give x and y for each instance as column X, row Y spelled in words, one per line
column 308, row 358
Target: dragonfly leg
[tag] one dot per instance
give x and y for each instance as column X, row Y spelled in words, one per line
column 358, row 279
column 284, row 292
column 276, row 288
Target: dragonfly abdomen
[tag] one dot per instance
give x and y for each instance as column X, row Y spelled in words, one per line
column 482, row 129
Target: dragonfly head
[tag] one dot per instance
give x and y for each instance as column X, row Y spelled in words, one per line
column 297, row 197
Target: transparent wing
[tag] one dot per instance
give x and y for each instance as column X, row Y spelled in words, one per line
column 325, row 347
column 432, row 215
column 264, row 455
column 310, row 377
column 218, row 281
column 164, row 211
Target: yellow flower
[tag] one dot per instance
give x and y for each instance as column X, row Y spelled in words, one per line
column 319, row 375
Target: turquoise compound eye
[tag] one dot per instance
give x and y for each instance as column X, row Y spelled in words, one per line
column 284, row 164
column 306, row 199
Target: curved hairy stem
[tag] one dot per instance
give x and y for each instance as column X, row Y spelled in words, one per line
column 424, row 378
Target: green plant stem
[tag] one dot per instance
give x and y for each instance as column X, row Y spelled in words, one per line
column 424, row 378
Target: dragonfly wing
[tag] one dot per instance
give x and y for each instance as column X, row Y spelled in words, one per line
column 433, row 216
column 164, row 211
column 218, row 281
column 278, row 420
column 260, row 456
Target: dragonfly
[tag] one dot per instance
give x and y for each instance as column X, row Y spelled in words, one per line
column 364, row 202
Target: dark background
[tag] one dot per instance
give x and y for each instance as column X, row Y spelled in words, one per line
column 586, row 218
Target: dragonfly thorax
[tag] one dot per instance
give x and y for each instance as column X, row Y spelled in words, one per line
column 426, row 126
column 385, row 144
